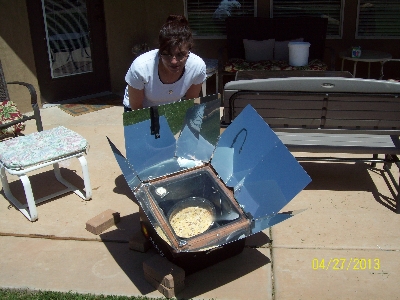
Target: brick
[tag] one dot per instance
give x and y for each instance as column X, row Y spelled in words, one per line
column 102, row 221
column 139, row 243
column 163, row 271
column 167, row 292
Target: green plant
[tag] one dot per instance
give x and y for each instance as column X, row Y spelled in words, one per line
column 26, row 294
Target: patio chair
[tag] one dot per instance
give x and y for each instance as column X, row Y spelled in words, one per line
column 390, row 63
column 21, row 154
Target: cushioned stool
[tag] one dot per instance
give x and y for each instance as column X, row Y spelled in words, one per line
column 24, row 154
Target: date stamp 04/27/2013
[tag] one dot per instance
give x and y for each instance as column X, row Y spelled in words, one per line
column 346, row 264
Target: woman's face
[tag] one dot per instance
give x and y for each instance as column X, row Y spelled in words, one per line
column 175, row 59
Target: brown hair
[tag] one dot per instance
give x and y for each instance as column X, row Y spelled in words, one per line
column 175, row 32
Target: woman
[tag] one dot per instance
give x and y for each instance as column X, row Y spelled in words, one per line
column 166, row 74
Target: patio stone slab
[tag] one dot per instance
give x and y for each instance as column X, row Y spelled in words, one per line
column 345, row 209
column 376, row 277
column 66, row 216
column 244, row 276
column 112, row 269
column 347, row 215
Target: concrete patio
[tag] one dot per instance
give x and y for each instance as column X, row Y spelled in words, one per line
column 345, row 245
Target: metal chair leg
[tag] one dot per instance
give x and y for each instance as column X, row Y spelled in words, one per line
column 29, row 198
column 87, row 195
column 31, row 213
column 29, row 210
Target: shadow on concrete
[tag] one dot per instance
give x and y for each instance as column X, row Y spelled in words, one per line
column 131, row 262
column 224, row 272
column 44, row 183
column 258, row 240
column 336, row 176
column 388, row 202
column 122, row 188
column 126, row 228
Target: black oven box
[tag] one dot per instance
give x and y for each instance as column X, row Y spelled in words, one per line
column 201, row 193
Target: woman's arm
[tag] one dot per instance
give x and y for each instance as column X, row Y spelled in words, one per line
column 135, row 98
column 193, row 91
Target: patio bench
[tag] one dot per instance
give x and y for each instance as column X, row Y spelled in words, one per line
column 270, row 36
column 326, row 115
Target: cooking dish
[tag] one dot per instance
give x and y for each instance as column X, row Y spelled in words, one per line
column 191, row 216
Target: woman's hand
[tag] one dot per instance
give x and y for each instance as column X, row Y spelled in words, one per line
column 135, row 98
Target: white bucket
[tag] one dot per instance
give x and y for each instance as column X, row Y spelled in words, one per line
column 298, row 53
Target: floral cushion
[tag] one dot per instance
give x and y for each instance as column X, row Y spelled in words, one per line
column 237, row 64
column 9, row 112
column 41, row 147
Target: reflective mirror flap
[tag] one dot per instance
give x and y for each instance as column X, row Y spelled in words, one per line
column 127, row 170
column 169, row 138
column 200, row 132
column 144, row 149
column 252, row 175
column 242, row 145
column 250, row 158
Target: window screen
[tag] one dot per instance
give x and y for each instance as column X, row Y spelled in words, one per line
column 207, row 17
column 378, row 19
column 333, row 10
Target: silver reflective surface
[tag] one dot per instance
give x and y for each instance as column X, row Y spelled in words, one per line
column 127, row 170
column 200, row 133
column 253, row 175
column 174, row 149
column 250, row 158
column 148, row 155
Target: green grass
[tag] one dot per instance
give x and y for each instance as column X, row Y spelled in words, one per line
column 25, row 294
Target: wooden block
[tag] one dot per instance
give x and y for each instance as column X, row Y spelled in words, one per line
column 102, row 221
column 167, row 292
column 163, row 271
column 139, row 243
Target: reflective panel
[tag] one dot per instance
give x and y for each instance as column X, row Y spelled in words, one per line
column 127, row 170
column 268, row 221
column 242, row 145
column 144, row 150
column 250, row 158
column 174, row 113
column 200, row 133
column 199, row 190
column 171, row 149
column 273, row 182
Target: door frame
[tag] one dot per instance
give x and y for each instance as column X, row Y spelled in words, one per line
column 78, row 85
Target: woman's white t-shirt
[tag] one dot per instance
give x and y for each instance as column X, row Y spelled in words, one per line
column 143, row 74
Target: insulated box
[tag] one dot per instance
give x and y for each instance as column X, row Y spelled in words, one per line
column 201, row 193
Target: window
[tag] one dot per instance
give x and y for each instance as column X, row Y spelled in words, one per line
column 331, row 9
column 207, row 17
column 378, row 19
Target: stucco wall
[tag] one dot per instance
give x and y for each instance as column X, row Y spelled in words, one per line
column 129, row 23
column 16, row 52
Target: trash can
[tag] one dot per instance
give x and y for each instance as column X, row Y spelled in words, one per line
column 298, row 53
